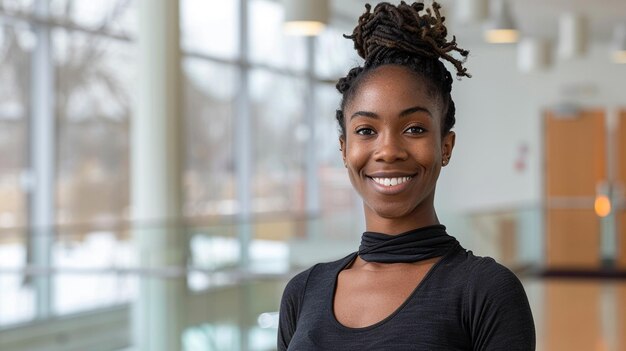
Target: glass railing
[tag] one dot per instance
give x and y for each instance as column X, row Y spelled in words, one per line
column 512, row 236
column 232, row 289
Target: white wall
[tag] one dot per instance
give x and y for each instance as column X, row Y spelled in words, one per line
column 499, row 109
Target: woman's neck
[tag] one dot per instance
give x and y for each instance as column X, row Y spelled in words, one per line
column 393, row 226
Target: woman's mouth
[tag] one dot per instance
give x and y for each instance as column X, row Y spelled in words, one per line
column 390, row 181
column 390, row 185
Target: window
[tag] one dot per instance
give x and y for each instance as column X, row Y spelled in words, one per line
column 94, row 77
column 210, row 27
column 334, row 54
column 268, row 44
column 209, row 178
column 113, row 17
column 16, row 295
column 93, row 73
column 280, row 135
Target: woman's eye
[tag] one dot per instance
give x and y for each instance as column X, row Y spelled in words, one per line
column 415, row 130
column 365, row 131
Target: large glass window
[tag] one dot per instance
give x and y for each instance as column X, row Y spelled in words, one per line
column 337, row 198
column 280, row 135
column 340, row 205
column 94, row 79
column 334, row 54
column 14, row 101
column 93, row 73
column 210, row 90
column 16, row 295
column 16, row 6
column 112, row 16
column 334, row 57
column 268, row 43
column 210, row 27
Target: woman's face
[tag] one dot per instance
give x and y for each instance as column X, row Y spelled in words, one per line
column 393, row 147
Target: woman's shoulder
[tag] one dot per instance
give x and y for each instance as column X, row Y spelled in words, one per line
column 323, row 271
column 496, row 307
column 479, row 277
column 472, row 266
column 487, row 282
column 486, row 269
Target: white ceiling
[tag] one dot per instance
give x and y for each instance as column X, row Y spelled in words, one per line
column 535, row 18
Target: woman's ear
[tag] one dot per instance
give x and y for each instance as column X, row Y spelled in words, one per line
column 342, row 148
column 447, row 147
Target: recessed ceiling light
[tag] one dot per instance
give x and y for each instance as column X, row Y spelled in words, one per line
column 305, row 17
column 500, row 27
column 618, row 45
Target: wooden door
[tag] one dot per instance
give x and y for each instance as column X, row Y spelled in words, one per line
column 620, row 153
column 575, row 150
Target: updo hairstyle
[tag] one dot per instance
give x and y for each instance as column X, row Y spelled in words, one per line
column 410, row 36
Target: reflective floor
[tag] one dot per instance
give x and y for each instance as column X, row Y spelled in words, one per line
column 577, row 314
column 570, row 314
column 223, row 314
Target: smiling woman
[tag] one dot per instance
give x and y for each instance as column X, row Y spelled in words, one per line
column 410, row 286
column 393, row 148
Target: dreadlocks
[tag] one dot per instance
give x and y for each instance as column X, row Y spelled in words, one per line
column 410, row 36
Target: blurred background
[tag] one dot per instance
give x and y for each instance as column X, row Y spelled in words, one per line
column 167, row 165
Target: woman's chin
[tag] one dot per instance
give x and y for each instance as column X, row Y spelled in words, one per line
column 389, row 211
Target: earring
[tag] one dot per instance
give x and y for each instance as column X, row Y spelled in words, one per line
column 445, row 161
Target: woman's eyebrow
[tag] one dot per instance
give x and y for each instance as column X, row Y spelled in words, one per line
column 414, row 109
column 404, row 113
column 364, row 114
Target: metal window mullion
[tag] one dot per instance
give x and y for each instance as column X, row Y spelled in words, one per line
column 42, row 162
column 42, row 19
column 243, row 145
column 608, row 225
column 243, row 167
column 313, row 207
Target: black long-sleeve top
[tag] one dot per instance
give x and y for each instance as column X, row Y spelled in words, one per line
column 465, row 302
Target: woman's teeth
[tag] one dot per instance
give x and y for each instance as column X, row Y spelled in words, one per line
column 391, row 181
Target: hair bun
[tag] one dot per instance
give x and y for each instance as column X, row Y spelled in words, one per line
column 344, row 83
column 410, row 29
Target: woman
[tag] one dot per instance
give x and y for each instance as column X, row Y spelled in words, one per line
column 411, row 286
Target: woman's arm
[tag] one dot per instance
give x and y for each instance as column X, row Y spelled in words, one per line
column 290, row 306
column 499, row 314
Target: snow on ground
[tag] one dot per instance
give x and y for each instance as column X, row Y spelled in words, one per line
column 74, row 291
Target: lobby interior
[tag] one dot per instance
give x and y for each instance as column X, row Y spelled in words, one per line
column 167, row 165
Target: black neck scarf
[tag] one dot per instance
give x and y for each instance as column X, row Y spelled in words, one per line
column 412, row 246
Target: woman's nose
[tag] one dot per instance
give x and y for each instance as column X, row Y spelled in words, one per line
column 390, row 149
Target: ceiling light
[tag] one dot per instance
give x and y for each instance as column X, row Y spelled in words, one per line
column 500, row 28
column 573, row 37
column 533, row 54
column 618, row 46
column 305, row 17
column 472, row 11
